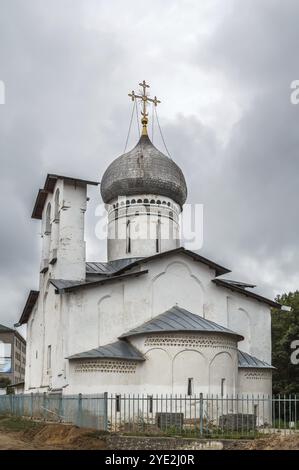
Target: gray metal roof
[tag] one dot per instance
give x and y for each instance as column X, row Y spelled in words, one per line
column 144, row 170
column 30, row 303
column 110, row 267
column 179, row 319
column 61, row 284
column 245, row 360
column 192, row 254
column 118, row 350
column 6, row 329
column 242, row 290
column 68, row 286
column 243, row 285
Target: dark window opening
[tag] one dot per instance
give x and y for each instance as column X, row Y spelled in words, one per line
column 117, row 403
column 222, row 387
column 158, row 236
column 128, row 237
column 190, row 386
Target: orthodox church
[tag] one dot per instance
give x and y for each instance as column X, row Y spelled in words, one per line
column 155, row 317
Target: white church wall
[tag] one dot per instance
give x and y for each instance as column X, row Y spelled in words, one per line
column 252, row 319
column 112, row 376
column 255, row 386
column 52, row 357
column 223, row 370
column 176, row 283
column 71, row 250
column 33, row 369
column 255, row 381
column 190, row 365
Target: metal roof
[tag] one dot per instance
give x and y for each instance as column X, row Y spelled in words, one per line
column 118, row 350
column 68, row 286
column 179, row 319
column 245, row 360
column 192, row 254
column 31, row 301
column 49, row 186
column 243, row 285
column 144, row 170
column 110, row 267
column 242, row 290
column 6, row 329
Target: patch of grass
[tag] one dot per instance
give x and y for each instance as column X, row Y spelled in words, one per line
column 16, row 424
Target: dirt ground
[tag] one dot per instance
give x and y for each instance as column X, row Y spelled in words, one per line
column 271, row 442
column 20, row 435
column 17, row 434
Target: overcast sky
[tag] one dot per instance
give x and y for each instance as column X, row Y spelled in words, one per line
column 222, row 69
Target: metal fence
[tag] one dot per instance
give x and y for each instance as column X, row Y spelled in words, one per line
column 195, row 415
column 82, row 410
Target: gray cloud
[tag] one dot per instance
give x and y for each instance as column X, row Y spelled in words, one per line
column 223, row 74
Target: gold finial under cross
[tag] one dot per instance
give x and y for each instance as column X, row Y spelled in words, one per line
column 145, row 99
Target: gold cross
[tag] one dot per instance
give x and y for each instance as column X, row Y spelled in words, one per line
column 145, row 99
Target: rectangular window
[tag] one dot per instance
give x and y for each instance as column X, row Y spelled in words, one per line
column 5, row 358
column 222, row 387
column 117, row 403
column 190, row 386
column 49, row 357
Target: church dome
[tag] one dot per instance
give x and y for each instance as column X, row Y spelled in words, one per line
column 144, row 170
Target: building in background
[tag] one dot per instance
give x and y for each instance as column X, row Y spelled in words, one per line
column 12, row 355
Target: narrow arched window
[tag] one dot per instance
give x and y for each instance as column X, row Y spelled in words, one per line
column 158, row 236
column 56, row 215
column 128, row 238
column 48, row 220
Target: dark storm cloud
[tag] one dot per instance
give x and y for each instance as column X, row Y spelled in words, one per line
column 67, row 67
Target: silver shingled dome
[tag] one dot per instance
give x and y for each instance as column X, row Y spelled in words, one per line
column 144, row 170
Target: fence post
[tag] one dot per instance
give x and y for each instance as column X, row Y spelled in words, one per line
column 105, row 398
column 31, row 405
column 201, row 413
column 11, row 404
column 44, row 405
column 60, row 410
column 79, row 418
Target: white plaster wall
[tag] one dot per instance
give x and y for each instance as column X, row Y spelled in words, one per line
column 255, row 386
column 255, row 381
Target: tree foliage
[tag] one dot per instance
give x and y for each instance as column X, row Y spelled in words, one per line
column 285, row 329
column 4, row 382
